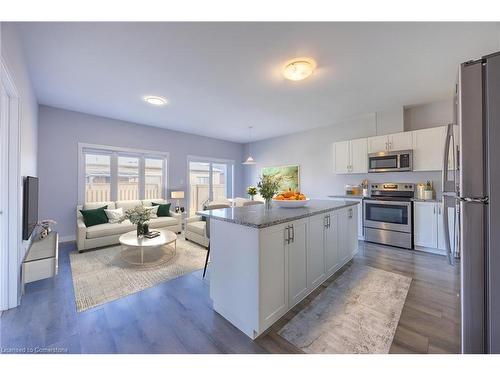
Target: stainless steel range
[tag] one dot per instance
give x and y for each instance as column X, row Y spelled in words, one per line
column 388, row 214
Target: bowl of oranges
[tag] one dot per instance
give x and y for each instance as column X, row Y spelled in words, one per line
column 290, row 199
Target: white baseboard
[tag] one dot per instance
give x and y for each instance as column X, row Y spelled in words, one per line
column 71, row 238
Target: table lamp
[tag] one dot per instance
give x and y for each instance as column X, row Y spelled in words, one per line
column 177, row 195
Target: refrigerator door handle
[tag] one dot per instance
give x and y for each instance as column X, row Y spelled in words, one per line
column 446, row 230
column 480, row 200
column 449, row 141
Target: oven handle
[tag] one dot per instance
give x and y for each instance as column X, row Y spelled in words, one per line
column 390, row 203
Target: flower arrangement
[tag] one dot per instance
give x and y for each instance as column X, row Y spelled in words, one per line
column 46, row 227
column 268, row 186
column 252, row 191
column 138, row 216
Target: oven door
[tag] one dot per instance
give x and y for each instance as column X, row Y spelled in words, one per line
column 388, row 215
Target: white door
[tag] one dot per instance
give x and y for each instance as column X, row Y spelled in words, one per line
column 316, row 251
column 428, row 148
column 352, row 216
column 341, row 157
column 273, row 293
column 297, row 262
column 400, row 141
column 343, row 235
column 425, row 224
column 359, row 156
column 378, row 144
column 440, row 226
column 331, row 245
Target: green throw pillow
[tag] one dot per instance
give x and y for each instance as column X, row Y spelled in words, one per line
column 163, row 209
column 95, row 216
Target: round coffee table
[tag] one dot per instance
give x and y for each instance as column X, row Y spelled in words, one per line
column 142, row 250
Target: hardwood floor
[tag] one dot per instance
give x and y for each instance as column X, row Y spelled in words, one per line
column 177, row 316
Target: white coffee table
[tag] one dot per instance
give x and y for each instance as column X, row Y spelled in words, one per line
column 142, row 250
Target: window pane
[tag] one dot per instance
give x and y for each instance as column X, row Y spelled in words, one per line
column 128, row 178
column 219, row 182
column 97, row 178
column 198, row 186
column 154, row 178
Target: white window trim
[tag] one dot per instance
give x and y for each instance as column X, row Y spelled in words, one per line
column 11, row 251
column 113, row 151
column 203, row 159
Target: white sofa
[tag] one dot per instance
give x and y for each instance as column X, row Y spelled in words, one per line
column 108, row 234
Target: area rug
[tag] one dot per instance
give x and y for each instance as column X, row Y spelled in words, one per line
column 357, row 313
column 104, row 275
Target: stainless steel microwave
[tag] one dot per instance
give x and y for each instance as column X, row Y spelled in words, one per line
column 390, row 161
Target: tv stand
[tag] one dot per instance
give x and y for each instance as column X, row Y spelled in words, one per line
column 41, row 260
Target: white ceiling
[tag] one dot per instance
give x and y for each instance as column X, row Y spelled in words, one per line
column 220, row 78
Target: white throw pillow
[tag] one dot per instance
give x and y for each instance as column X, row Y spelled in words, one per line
column 114, row 216
column 154, row 211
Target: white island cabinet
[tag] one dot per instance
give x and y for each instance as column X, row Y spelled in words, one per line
column 265, row 262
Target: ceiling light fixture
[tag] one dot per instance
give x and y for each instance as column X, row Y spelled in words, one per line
column 155, row 100
column 249, row 160
column 299, row 68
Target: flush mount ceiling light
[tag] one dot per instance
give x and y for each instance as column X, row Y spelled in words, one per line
column 155, row 100
column 299, row 68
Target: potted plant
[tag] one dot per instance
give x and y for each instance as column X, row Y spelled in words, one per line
column 428, row 191
column 268, row 186
column 252, row 191
column 139, row 216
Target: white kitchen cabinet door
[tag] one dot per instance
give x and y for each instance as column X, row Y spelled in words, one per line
column 400, row 141
column 352, row 217
column 297, row 262
column 428, row 148
column 316, row 251
column 359, row 156
column 331, row 245
column 273, row 270
column 341, row 156
column 378, row 143
column 425, row 224
column 343, row 231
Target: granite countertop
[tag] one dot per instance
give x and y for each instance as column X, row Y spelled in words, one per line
column 257, row 216
column 345, row 196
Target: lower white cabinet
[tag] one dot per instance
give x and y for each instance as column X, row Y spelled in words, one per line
column 332, row 244
column 317, row 251
column 347, row 230
column 360, row 230
column 297, row 261
column 429, row 225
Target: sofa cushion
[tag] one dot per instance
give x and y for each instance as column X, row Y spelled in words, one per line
column 103, row 230
column 148, row 202
column 164, row 221
column 94, row 216
column 128, row 205
column 94, row 205
column 197, row 227
column 163, row 209
column 114, row 216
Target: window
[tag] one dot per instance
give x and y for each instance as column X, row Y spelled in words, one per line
column 154, row 178
column 111, row 173
column 97, row 178
column 128, row 178
column 208, row 181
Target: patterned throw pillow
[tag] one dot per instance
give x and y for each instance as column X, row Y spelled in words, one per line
column 114, row 216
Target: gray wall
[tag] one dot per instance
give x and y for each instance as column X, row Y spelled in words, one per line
column 13, row 56
column 428, row 115
column 313, row 151
column 60, row 131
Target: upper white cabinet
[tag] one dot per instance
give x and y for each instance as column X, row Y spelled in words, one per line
column 350, row 156
column 428, row 146
column 391, row 142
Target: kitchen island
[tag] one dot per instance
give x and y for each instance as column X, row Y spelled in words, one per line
column 264, row 262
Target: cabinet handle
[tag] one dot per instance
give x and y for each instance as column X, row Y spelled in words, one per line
column 439, row 209
column 386, row 145
column 350, row 213
column 434, row 208
column 293, row 234
column 287, row 235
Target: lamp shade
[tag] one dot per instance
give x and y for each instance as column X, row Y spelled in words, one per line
column 177, row 195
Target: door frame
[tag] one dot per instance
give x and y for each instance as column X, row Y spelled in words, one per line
column 10, row 260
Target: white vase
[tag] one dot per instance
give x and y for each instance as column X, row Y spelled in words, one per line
column 428, row 194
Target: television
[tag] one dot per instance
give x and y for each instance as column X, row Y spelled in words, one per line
column 30, row 206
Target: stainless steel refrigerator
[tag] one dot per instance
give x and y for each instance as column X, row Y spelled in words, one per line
column 477, row 174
